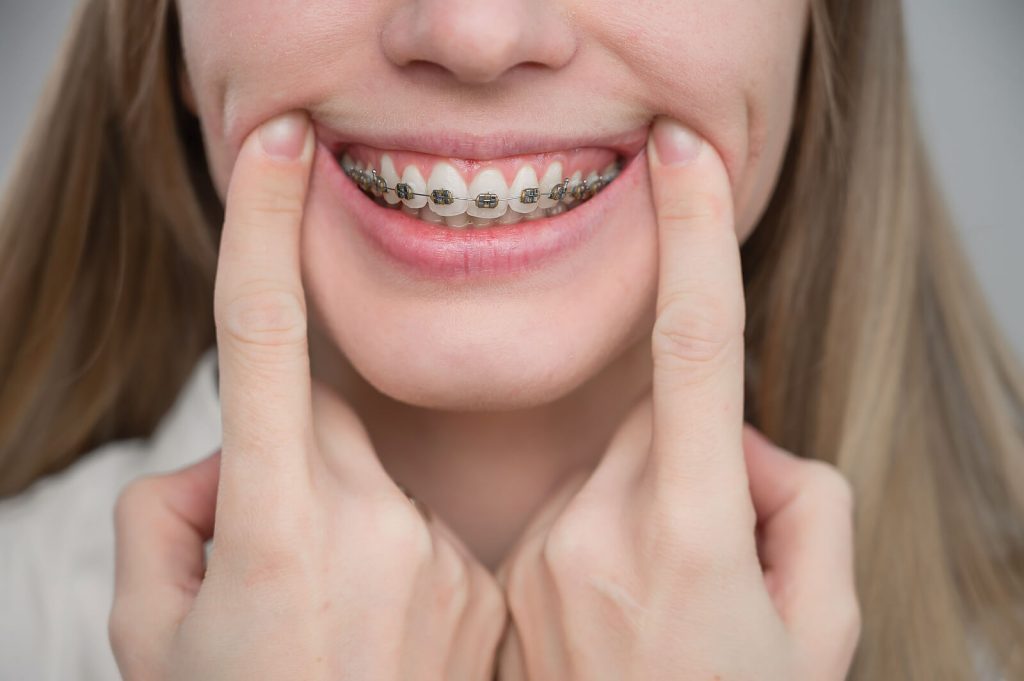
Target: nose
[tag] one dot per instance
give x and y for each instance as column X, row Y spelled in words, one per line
column 477, row 41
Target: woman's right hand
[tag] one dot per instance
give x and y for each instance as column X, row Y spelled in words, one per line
column 321, row 568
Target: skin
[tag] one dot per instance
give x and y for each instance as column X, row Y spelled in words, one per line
column 639, row 558
column 501, row 390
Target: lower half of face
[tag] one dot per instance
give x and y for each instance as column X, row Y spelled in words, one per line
column 461, row 312
column 480, row 232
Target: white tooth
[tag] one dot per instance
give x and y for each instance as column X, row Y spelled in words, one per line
column 360, row 165
column 610, row 171
column 552, row 176
column 390, row 175
column 347, row 163
column 428, row 215
column 444, row 176
column 458, row 220
column 490, row 181
column 511, row 217
column 526, row 177
column 414, row 179
column 482, row 222
column 573, row 181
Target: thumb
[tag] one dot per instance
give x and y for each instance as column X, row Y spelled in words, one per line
column 160, row 524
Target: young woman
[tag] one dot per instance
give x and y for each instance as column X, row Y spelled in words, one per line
column 531, row 265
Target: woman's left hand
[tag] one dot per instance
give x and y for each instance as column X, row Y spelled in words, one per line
column 696, row 549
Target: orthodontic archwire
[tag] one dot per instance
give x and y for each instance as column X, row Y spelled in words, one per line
column 375, row 184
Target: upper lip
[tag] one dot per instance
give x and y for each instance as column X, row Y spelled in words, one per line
column 481, row 146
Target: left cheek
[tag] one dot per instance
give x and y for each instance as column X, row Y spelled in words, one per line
column 237, row 87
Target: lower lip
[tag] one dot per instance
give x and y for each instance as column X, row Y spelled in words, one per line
column 438, row 252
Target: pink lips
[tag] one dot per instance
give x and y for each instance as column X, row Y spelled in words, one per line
column 436, row 252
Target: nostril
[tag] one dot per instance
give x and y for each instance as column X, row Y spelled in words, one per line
column 476, row 41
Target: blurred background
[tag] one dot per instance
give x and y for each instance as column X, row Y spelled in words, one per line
column 968, row 65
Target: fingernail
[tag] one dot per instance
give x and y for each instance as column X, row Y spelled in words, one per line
column 284, row 137
column 674, row 144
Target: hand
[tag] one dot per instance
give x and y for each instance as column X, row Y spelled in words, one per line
column 649, row 569
column 321, row 568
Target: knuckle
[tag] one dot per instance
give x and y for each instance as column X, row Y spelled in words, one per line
column 701, row 548
column 454, row 579
column 490, row 610
column 695, row 329
column 570, row 547
column 266, row 318
column 844, row 630
column 517, row 589
column 282, row 203
column 696, row 210
column 269, row 551
column 268, row 561
column 119, row 626
column 135, row 498
column 830, row 483
column 852, row 616
column 491, row 598
column 400, row 531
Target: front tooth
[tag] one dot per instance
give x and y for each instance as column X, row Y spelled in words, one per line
column 390, row 175
column 414, row 179
column 444, row 176
column 428, row 215
column 511, row 217
column 347, row 163
column 458, row 220
column 490, row 181
column 552, row 177
column 526, row 178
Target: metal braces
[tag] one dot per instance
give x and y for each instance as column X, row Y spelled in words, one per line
column 375, row 184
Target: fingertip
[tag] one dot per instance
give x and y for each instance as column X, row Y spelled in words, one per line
column 673, row 144
column 288, row 137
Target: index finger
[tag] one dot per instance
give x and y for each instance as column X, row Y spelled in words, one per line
column 697, row 341
column 260, row 310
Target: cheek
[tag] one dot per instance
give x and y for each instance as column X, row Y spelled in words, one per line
column 249, row 60
column 729, row 69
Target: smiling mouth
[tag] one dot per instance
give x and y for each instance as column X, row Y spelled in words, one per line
column 457, row 194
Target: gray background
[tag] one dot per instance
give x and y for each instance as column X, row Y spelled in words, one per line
column 967, row 58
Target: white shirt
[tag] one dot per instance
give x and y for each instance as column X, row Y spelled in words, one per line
column 57, row 542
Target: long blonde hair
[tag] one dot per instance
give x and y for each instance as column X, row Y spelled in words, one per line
column 869, row 344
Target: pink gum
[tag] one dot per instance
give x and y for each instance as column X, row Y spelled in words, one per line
column 586, row 161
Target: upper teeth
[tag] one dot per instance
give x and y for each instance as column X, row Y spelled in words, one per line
column 487, row 196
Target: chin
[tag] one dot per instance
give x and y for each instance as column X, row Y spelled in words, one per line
column 514, row 378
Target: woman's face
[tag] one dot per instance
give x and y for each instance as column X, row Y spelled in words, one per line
column 486, row 92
